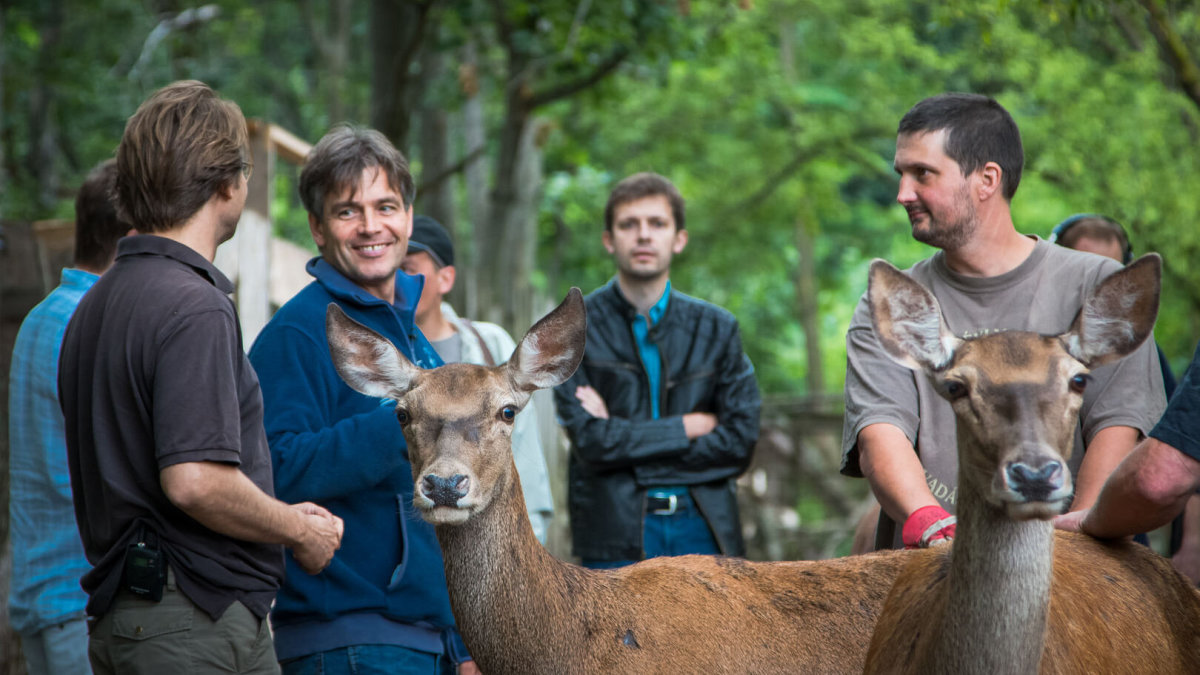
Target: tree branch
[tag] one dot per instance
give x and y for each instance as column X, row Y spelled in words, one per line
column 1174, row 50
column 560, row 91
column 457, row 167
column 777, row 179
column 184, row 19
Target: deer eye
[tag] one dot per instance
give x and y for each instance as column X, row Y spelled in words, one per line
column 1079, row 383
column 508, row 413
column 403, row 417
column 955, row 389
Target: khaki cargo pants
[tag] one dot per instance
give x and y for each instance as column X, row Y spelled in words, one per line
column 175, row 637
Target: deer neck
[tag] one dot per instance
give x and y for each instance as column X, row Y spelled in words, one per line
column 998, row 589
column 504, row 586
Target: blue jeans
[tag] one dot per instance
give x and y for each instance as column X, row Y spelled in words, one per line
column 681, row 533
column 58, row 650
column 371, row 660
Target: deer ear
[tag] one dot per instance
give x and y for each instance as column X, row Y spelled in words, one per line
column 1118, row 314
column 366, row 360
column 908, row 320
column 551, row 350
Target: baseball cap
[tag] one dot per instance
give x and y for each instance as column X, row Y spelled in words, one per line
column 429, row 236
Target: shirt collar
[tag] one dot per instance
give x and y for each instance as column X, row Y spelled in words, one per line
column 656, row 312
column 73, row 277
column 408, row 286
column 149, row 244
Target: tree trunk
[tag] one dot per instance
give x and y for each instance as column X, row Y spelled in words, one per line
column 474, row 135
column 498, row 236
column 437, row 200
column 396, row 32
column 332, row 41
column 808, row 306
column 43, row 132
column 805, row 280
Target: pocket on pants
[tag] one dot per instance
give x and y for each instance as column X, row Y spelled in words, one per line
column 144, row 624
column 145, row 639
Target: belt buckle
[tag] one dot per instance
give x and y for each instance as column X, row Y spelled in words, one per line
column 672, row 504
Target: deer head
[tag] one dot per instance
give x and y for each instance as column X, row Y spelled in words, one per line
column 458, row 419
column 1015, row 395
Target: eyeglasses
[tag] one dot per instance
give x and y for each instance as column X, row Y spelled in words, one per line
column 247, row 169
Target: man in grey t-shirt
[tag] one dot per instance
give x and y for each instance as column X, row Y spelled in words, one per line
column 959, row 158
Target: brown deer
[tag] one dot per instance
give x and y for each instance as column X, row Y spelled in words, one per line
column 521, row 610
column 1011, row 595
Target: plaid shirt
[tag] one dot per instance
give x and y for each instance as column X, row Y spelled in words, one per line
column 47, row 554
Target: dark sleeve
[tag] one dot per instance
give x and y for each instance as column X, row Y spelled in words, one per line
column 615, row 443
column 726, row 451
column 196, row 411
column 1179, row 426
column 326, row 441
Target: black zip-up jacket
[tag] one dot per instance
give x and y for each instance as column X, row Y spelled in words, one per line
column 613, row 461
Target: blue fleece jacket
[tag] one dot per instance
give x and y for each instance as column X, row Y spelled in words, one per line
column 335, row 447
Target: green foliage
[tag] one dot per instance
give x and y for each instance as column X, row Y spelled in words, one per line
column 777, row 122
column 761, row 146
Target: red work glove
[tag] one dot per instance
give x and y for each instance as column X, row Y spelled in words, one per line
column 928, row 526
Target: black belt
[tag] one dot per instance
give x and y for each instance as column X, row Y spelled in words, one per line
column 663, row 506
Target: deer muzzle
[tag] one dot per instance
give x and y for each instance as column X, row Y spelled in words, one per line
column 444, row 491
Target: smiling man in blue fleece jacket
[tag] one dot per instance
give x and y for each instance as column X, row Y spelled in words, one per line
column 383, row 602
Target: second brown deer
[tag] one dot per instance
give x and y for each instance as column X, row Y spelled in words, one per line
column 521, row 610
column 1011, row 596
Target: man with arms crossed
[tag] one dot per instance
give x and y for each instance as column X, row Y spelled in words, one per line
column 169, row 463
column 959, row 158
column 663, row 411
column 382, row 605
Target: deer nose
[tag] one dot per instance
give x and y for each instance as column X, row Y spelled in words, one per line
column 1035, row 483
column 445, row 491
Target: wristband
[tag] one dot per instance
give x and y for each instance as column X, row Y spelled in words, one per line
column 928, row 526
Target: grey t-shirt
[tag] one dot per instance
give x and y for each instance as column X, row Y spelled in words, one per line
column 1043, row 294
column 449, row 349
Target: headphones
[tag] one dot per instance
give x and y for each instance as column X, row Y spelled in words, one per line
column 1060, row 230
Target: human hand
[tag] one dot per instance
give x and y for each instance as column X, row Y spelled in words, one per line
column 697, row 424
column 592, row 402
column 1071, row 522
column 469, row 668
column 928, row 526
column 322, row 536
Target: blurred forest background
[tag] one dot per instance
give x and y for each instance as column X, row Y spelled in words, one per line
column 776, row 118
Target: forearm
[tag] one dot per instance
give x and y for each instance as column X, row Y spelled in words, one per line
column 891, row 466
column 225, row 500
column 1145, row 491
column 1109, row 447
column 726, row 452
column 620, row 443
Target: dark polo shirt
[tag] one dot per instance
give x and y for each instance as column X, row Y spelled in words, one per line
column 152, row 374
column 1179, row 426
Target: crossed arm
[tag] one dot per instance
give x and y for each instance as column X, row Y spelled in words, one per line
column 695, row 447
column 695, row 424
